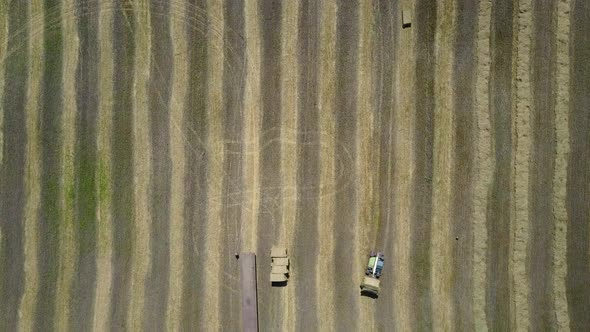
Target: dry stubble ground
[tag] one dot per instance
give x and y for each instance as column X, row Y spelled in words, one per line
column 152, row 139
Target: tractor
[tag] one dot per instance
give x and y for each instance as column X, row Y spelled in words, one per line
column 370, row 284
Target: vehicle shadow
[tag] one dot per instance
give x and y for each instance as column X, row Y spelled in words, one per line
column 369, row 294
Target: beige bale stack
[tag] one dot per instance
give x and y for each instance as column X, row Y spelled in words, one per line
column 279, row 268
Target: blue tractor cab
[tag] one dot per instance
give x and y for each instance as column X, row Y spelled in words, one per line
column 375, row 266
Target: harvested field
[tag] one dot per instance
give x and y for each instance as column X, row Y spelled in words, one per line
column 144, row 142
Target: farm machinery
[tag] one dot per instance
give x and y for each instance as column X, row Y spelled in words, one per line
column 370, row 284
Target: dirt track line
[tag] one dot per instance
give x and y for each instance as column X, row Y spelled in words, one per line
column 465, row 152
column 387, row 34
column 483, row 165
column 499, row 289
column 214, row 242
column 178, row 94
column 403, row 175
column 521, row 160
column 289, row 69
column 196, row 158
column 346, row 293
column 421, row 215
column 142, row 156
column 104, row 180
column 13, row 175
column 33, row 170
column 544, row 84
column 68, row 244
column 229, row 99
column 156, row 289
column 85, row 167
column 51, row 212
column 578, row 171
column 365, row 227
column 441, row 259
column 326, row 101
column 271, row 13
column 122, row 165
column 3, row 51
column 562, row 149
column 251, row 129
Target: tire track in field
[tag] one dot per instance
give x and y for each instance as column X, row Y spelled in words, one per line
column 196, row 195
column 159, row 92
column 498, row 297
column 270, row 215
column 420, row 251
column 51, row 214
column 346, row 294
column 578, row 172
column 122, row 171
column 12, row 175
column 542, row 166
column 3, row 50
column 85, row 167
column 231, row 208
column 104, row 180
column 33, row 165
column 388, row 27
column 464, row 173
column 305, row 242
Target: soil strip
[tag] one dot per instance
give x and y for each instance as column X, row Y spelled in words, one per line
column 421, row 219
column 122, row 171
column 498, row 297
column 233, row 88
column 387, row 25
column 443, row 311
column 368, row 118
column 578, row 172
column 160, row 89
column 12, row 172
column 463, row 174
column 85, row 167
column 404, row 155
column 346, row 293
column 270, row 217
column 305, row 242
column 195, row 190
column 542, row 166
column 51, row 213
